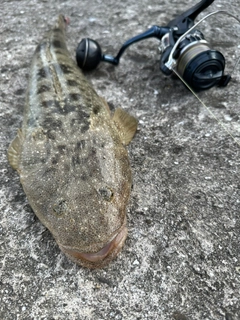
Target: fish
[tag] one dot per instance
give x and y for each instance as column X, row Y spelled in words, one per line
column 71, row 156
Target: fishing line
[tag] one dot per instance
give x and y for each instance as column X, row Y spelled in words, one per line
column 207, row 108
column 235, row 66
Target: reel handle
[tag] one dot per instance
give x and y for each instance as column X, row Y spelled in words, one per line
column 89, row 53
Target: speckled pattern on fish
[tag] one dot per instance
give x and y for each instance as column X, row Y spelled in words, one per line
column 71, row 157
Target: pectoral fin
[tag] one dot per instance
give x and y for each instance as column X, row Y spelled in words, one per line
column 15, row 149
column 126, row 124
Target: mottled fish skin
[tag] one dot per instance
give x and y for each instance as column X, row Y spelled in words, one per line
column 71, row 158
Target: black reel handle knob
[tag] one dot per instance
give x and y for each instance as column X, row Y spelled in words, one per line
column 88, row 54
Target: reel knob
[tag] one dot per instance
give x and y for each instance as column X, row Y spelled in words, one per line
column 88, row 54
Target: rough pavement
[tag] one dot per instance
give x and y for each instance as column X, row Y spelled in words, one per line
column 181, row 258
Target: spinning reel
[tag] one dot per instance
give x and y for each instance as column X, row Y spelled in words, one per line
column 183, row 48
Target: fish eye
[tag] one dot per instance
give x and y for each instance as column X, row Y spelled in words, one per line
column 60, row 207
column 106, row 193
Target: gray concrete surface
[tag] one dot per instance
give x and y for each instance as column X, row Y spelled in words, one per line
column 181, row 258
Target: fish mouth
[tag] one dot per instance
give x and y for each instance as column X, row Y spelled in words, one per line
column 100, row 258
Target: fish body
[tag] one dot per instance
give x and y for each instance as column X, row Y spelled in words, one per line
column 71, row 157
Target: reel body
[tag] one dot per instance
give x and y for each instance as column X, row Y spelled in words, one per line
column 200, row 66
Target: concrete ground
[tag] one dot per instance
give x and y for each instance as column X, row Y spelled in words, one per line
column 181, row 258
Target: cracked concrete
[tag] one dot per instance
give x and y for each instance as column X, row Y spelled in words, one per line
column 181, row 258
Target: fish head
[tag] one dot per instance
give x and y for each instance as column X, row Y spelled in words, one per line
column 90, row 221
column 85, row 211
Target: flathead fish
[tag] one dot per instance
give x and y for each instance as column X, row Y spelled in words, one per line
column 71, row 157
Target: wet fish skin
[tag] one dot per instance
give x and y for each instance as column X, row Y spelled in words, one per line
column 71, row 157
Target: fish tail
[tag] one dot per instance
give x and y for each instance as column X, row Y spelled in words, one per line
column 49, row 66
